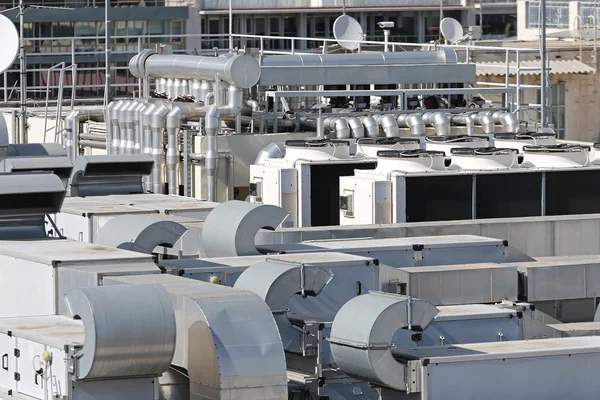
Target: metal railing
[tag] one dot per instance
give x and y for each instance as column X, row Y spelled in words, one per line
column 279, row 45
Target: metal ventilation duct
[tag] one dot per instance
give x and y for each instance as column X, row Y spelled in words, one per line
column 275, row 281
column 104, row 175
column 59, row 166
column 230, row 229
column 363, row 330
column 129, row 331
column 272, row 150
column 227, row 339
column 382, row 68
column 139, row 233
column 240, row 70
column 25, row 199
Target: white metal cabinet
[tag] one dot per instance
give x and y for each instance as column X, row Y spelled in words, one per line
column 7, row 370
column 29, row 367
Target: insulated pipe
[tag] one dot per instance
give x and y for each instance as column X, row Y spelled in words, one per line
column 116, row 127
column 440, row 121
column 131, row 115
column 169, row 87
column 137, row 127
column 158, row 123
column 465, row 119
column 342, row 130
column 254, row 104
column 389, row 125
column 485, row 120
column 72, row 130
column 414, row 122
column 508, row 120
column 240, row 70
column 370, row 125
column 358, row 130
column 122, row 120
column 109, row 125
column 230, row 174
column 178, row 113
column 176, row 88
column 212, row 126
column 272, row 150
column 147, row 139
column 184, row 88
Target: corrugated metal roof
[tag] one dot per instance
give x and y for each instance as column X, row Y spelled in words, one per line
column 557, row 67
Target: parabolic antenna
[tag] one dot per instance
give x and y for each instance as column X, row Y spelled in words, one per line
column 9, row 43
column 347, row 32
column 451, row 29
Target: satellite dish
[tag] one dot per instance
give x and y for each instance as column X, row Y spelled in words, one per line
column 451, row 29
column 349, row 30
column 9, row 46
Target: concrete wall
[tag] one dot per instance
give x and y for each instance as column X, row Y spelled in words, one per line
column 535, row 236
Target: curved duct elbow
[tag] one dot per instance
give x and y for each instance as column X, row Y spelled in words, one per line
column 389, row 125
column 276, row 282
column 342, row 130
column 272, row 150
column 510, row 122
column 486, row 121
column 467, row 120
column 362, row 334
column 414, row 122
column 370, row 125
column 440, row 121
column 356, row 126
column 254, row 104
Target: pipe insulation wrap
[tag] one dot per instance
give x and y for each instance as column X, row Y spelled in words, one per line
column 440, row 121
column 467, row 120
column 129, row 330
column 370, row 125
column 240, row 70
column 231, row 227
column 363, row 330
column 389, row 125
column 414, row 122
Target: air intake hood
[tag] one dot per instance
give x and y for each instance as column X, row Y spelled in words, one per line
column 59, row 166
column 105, row 175
column 362, row 333
column 25, row 199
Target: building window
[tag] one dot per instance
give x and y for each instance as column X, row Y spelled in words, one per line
column 558, row 108
column 557, row 14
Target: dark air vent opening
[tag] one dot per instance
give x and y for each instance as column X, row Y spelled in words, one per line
column 438, row 198
column 325, row 191
column 573, row 192
column 509, row 195
column 118, row 168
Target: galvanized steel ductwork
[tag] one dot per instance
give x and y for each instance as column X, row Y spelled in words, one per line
column 363, row 330
column 240, row 70
column 137, row 323
column 465, row 119
column 73, row 120
column 272, row 150
column 275, row 282
column 370, row 124
column 388, row 124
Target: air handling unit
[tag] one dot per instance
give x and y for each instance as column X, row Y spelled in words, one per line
column 306, row 181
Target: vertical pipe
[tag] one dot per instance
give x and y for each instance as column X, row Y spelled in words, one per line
column 544, row 91
column 107, row 94
column 23, row 80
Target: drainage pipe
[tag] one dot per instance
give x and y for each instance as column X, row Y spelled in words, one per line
column 178, row 113
column 465, row 119
column 230, row 166
column 389, row 125
column 414, row 122
column 440, row 121
column 157, row 125
column 212, row 125
column 370, row 125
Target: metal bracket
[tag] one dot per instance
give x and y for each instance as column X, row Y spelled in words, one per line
column 416, row 337
column 17, row 353
column 17, row 376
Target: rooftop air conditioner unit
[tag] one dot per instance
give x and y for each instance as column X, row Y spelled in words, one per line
column 370, row 146
column 518, row 140
column 306, row 181
column 484, row 159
